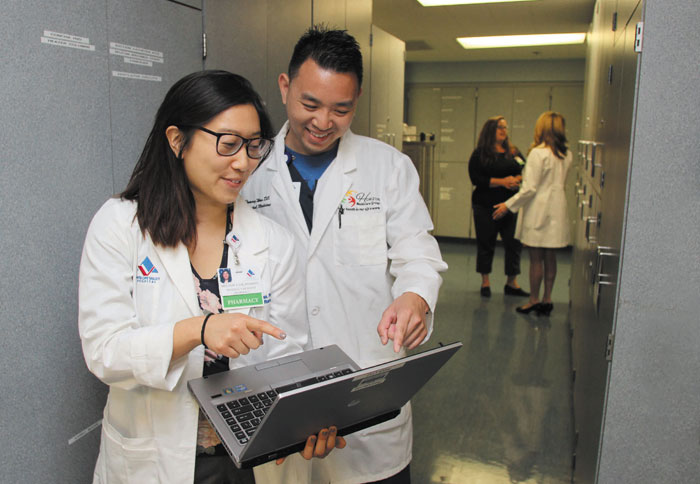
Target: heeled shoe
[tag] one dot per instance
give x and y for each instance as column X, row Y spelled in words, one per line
column 545, row 309
column 514, row 291
column 529, row 309
column 485, row 291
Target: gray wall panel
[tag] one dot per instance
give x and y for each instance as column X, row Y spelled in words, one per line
column 54, row 173
column 160, row 26
column 329, row 12
column 236, row 33
column 359, row 24
column 287, row 20
column 653, row 412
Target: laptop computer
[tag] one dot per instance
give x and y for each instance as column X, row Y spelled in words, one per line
column 266, row 411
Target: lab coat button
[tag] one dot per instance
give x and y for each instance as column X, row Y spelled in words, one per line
column 315, row 310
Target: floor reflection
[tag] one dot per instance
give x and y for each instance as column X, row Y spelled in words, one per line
column 500, row 410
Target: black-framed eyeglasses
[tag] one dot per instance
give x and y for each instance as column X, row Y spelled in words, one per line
column 228, row 144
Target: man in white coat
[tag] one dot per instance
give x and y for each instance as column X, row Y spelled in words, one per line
column 361, row 233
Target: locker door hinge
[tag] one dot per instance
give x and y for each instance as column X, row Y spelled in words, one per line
column 614, row 22
column 371, row 39
column 204, row 45
column 609, row 346
column 638, row 37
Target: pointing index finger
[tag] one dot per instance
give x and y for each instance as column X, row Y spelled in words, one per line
column 259, row 326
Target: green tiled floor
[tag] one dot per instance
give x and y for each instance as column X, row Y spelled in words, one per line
column 500, row 410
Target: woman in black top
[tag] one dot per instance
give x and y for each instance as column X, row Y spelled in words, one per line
column 494, row 169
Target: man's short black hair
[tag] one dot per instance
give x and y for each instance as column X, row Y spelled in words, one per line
column 334, row 50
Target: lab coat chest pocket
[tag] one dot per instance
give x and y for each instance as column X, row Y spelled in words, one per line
column 360, row 239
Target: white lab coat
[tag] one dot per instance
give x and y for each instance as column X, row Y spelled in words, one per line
column 543, row 220
column 356, row 264
column 126, row 321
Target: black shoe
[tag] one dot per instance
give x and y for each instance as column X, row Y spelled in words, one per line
column 545, row 309
column 486, row 291
column 529, row 309
column 514, row 291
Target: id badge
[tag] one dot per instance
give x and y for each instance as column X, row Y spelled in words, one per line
column 240, row 287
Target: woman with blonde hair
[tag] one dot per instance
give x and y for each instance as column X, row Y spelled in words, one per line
column 542, row 225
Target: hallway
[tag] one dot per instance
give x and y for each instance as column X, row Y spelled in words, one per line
column 500, row 410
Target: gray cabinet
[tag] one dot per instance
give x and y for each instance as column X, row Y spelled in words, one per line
column 528, row 103
column 356, row 17
column 386, row 87
column 166, row 32
column 286, row 21
column 358, row 21
column 230, row 26
column 452, row 213
column 422, row 153
column 601, row 195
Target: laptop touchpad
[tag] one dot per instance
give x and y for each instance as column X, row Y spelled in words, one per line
column 286, row 371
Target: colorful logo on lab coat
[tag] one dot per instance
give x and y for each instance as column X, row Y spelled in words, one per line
column 355, row 201
column 250, row 273
column 349, row 199
column 148, row 272
column 147, row 268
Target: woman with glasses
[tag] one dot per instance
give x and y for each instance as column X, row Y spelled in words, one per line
column 494, row 169
column 152, row 313
column 543, row 224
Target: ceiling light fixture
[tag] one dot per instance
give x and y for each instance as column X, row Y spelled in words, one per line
column 439, row 3
column 520, row 40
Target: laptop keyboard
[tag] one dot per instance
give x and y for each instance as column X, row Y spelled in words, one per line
column 244, row 414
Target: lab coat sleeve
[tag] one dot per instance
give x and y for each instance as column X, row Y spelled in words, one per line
column 287, row 301
column 415, row 259
column 532, row 175
column 118, row 348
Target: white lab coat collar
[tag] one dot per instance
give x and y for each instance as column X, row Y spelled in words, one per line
column 247, row 227
column 282, row 183
column 331, row 188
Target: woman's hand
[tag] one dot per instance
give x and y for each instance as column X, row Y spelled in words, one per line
column 321, row 446
column 500, row 211
column 235, row 334
column 511, row 182
column 228, row 334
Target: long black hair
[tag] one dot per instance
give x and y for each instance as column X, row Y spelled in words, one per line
column 159, row 185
